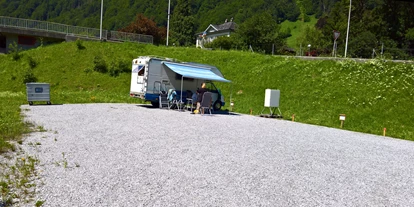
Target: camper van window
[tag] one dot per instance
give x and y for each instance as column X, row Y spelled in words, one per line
column 178, row 77
column 141, row 72
column 211, row 87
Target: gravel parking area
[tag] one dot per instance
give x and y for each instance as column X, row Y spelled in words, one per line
column 133, row 155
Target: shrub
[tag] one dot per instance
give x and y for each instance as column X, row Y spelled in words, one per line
column 32, row 62
column 79, row 44
column 114, row 72
column 225, row 43
column 116, row 68
column 123, row 66
column 29, row 77
column 15, row 51
column 100, row 65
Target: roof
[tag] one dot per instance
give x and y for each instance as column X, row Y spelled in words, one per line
column 221, row 27
column 226, row 26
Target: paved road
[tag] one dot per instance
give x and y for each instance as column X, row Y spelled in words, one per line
column 131, row 155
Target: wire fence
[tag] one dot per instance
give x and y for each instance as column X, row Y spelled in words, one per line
column 368, row 53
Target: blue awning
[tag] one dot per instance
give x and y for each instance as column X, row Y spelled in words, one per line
column 190, row 71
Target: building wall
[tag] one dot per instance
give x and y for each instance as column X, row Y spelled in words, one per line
column 25, row 42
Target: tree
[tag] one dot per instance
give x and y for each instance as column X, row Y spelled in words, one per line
column 261, row 31
column 182, row 24
column 143, row 25
column 314, row 37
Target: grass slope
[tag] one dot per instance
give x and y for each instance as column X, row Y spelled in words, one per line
column 373, row 95
column 296, row 29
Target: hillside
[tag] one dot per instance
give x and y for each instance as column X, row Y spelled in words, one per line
column 119, row 13
column 380, row 25
column 295, row 28
column 373, row 95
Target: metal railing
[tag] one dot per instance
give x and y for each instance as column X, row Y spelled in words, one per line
column 51, row 27
column 130, row 37
column 72, row 30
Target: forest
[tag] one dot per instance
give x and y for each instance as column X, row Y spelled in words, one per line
column 377, row 26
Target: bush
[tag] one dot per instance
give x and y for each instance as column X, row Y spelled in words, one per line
column 100, row 65
column 225, row 43
column 114, row 72
column 79, row 44
column 29, row 77
column 116, row 68
column 15, row 51
column 123, row 66
column 32, row 62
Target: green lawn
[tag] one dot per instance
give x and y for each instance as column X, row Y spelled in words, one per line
column 296, row 29
column 373, row 95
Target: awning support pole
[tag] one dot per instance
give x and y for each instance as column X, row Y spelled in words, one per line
column 181, row 97
column 231, row 95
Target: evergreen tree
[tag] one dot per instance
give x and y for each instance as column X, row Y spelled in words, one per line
column 182, row 24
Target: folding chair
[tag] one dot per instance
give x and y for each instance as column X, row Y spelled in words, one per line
column 173, row 99
column 189, row 101
column 164, row 100
column 206, row 102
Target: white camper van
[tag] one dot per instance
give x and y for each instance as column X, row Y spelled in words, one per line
column 151, row 76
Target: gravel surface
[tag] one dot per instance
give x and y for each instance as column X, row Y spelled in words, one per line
column 133, row 155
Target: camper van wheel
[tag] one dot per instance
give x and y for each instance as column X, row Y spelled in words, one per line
column 155, row 104
column 30, row 102
column 48, row 103
column 217, row 105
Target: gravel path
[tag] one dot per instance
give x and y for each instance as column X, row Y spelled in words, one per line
column 131, row 155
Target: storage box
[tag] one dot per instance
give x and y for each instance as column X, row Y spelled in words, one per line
column 272, row 98
column 38, row 92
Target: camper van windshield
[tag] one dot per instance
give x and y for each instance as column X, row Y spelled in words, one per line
column 211, row 87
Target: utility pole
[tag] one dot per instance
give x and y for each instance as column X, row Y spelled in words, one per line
column 168, row 21
column 100, row 30
column 347, row 31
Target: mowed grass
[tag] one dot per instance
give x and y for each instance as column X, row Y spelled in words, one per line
column 373, row 95
column 296, row 29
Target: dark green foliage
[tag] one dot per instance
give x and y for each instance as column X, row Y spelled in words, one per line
column 15, row 51
column 224, row 43
column 79, row 44
column 387, row 20
column 100, row 64
column 285, row 33
column 32, row 62
column 118, row 67
column 372, row 23
column 29, row 77
column 182, row 24
column 261, row 32
column 124, row 66
column 114, row 72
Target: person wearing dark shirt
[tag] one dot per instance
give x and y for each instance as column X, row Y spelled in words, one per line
column 200, row 93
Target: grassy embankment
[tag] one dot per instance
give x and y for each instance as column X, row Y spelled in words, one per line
column 296, row 29
column 373, row 95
